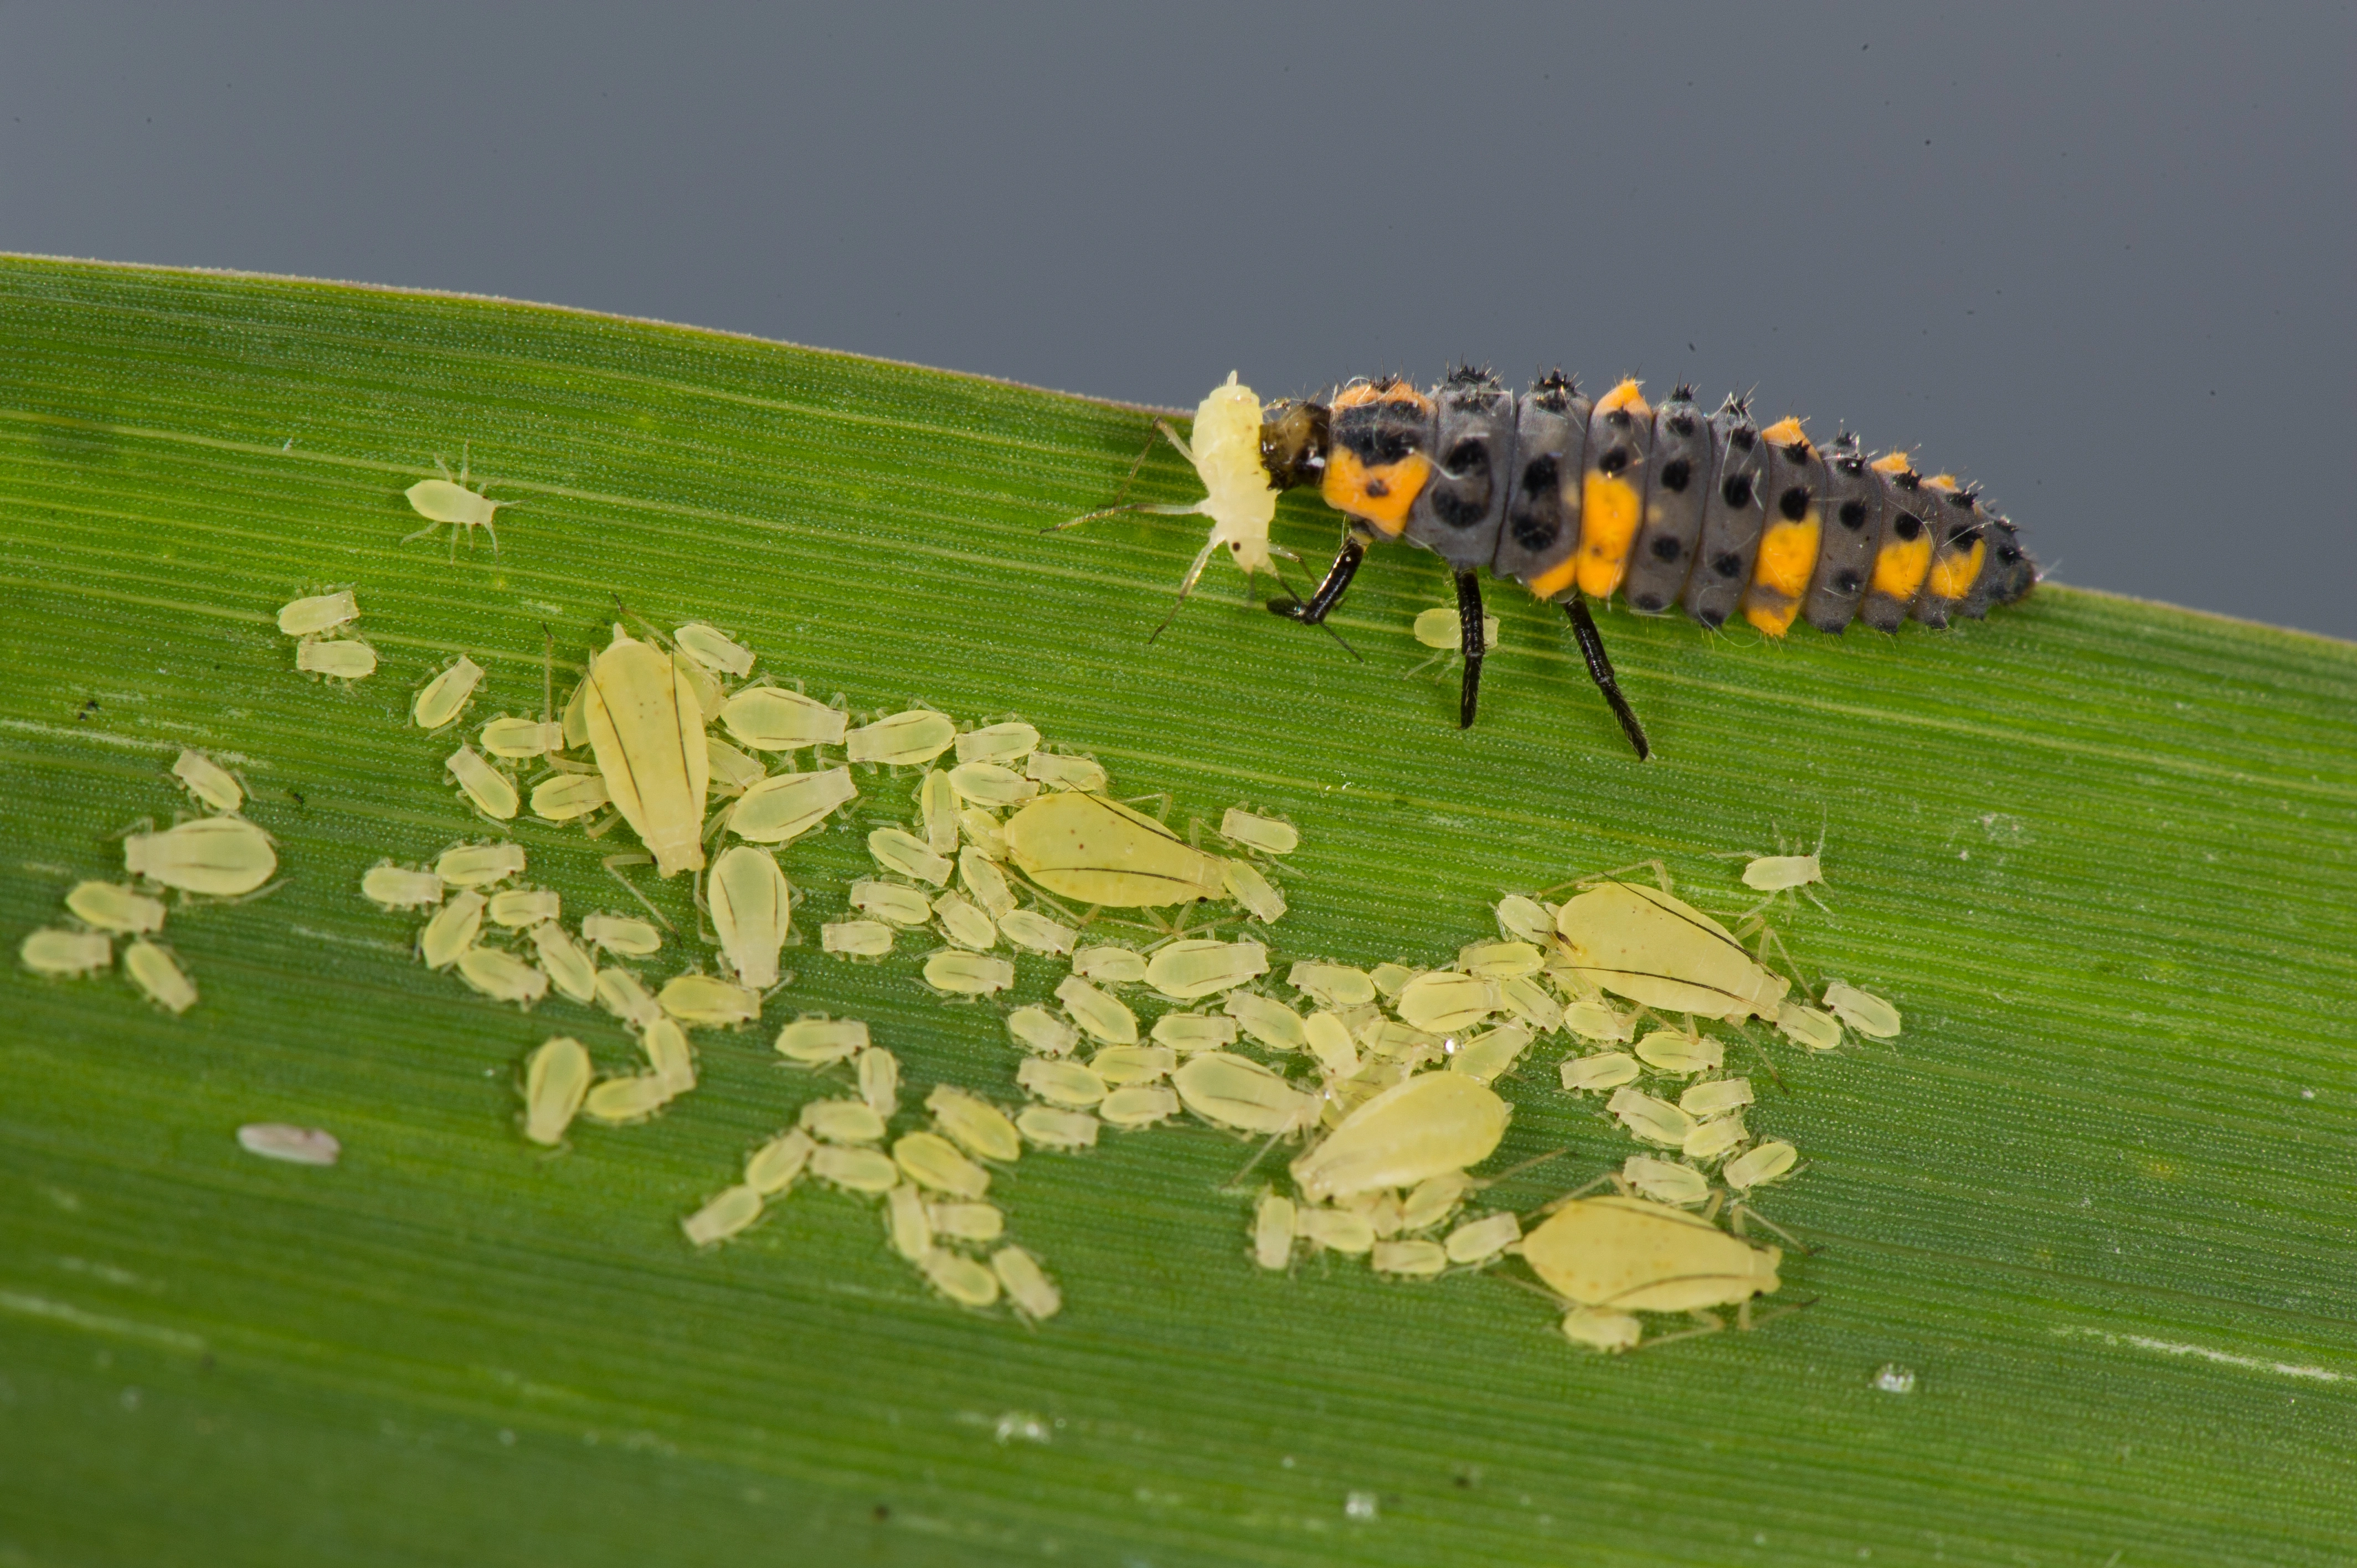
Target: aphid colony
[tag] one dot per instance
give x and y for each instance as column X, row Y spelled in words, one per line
column 217, row 855
column 1578, row 500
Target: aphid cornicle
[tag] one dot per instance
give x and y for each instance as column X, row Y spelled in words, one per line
column 1578, row 500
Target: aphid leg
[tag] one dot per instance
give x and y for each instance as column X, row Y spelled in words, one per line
column 1473, row 644
column 1761, row 1052
column 1660, row 873
column 1599, row 670
column 1706, row 1322
column 1235, row 1181
column 614, row 864
column 1187, row 587
column 1543, row 1210
column 1741, row 1214
column 1321, row 602
column 1511, row 1172
column 408, row 538
column 603, row 825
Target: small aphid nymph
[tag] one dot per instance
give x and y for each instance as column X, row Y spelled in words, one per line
column 66, row 954
column 555, row 1079
column 295, row 1145
column 155, row 973
column 110, row 906
column 208, row 781
column 450, row 501
column 344, row 660
column 320, row 612
column 443, row 697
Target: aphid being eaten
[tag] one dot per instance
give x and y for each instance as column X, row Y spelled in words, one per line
column 1579, row 500
column 448, row 501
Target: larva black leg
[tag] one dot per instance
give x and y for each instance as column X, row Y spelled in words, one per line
column 1321, row 604
column 1472, row 642
column 1599, row 670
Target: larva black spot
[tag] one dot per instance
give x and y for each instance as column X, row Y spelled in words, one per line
column 1737, row 491
column 1534, row 532
column 1727, row 564
column 1667, row 549
column 1681, row 424
column 1613, row 463
column 1540, row 474
column 1794, row 503
column 1853, row 515
column 1676, row 474
column 1467, row 456
column 1847, row 582
column 1741, row 438
column 1649, row 603
column 1714, row 618
column 1908, row 527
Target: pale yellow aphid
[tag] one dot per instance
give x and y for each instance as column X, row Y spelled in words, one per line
column 569, row 795
column 1478, row 1240
column 669, row 1055
column 222, row 857
column 1643, row 944
column 1187, row 1033
column 443, row 697
column 615, row 1101
column 296, row 1145
column 959, row 1277
column 1666, row 1181
column 1097, row 850
column 1781, row 873
column 1391, row 979
column 733, row 772
column 320, row 612
column 1327, row 1039
column 1862, row 1010
column 714, row 648
column 110, row 906
column 751, row 910
column 975, row 1124
column 1397, row 1042
column 1609, row 1070
column 208, row 781
column 624, row 934
column 520, row 906
column 1610, row 1331
column 1065, row 772
column 842, row 1121
column 522, row 737
column 570, row 968
column 981, row 831
column 481, row 865
column 856, row 939
column 1059, row 1082
column 1633, row 1256
column 1029, row 1288
column 620, row 992
column 1417, row 1258
column 1273, row 1231
column 1119, row 1065
column 907, row 854
column 768, row 718
column 901, row 904
column 65, row 953
column 916, row 735
column 153, row 971
column 1715, row 1137
column 1138, row 1105
column 1111, row 965
column 1037, row 1029
column 1431, row 1123
column 933, row 1163
column 816, row 1041
column 1440, row 628
column 1236, row 1093
column 707, row 1001
column 502, row 976
column 991, row 784
column 1332, row 985
column 1716, row 1097
column 1247, row 887
column 1653, row 1120
column 1267, row 834
column 773, row 1167
column 906, row 1223
column 338, row 660
column 1443, row 1001
column 1434, row 1199
column 1334, row 1229
column 453, row 929
column 1270, row 1023
column 1755, row 1166
column 962, row 974
column 448, row 500
column 1034, row 932
column 392, row 886
column 1489, row 1055
column 492, row 792
column 555, row 1078
column 646, row 728
column 1009, row 742
column 1675, row 1051
column 1101, row 1016
column 1595, row 1021
column 879, row 1073
column 1183, row 971
column 855, row 1169
column 963, row 922
column 1500, row 960
column 728, row 1213
column 1807, row 1027
column 987, row 884
column 1525, row 919
column 1528, row 1000
column 1048, row 1127
column 784, row 806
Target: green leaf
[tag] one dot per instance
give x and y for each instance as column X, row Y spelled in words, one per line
column 2096, row 1202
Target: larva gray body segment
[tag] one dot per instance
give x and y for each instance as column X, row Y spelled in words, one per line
column 1541, row 527
column 1852, row 508
column 1732, row 517
column 1960, row 559
column 2006, row 576
column 1676, row 487
column 1457, row 514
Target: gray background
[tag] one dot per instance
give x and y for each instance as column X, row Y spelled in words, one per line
column 2099, row 259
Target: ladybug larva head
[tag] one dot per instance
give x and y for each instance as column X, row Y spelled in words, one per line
column 1293, row 443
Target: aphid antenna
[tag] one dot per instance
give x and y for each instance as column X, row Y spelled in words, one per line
column 1765, row 1059
column 1234, row 1182
column 719, row 819
column 1739, row 1214
column 614, row 864
column 1609, row 1178
column 1511, row 1172
column 1660, row 869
